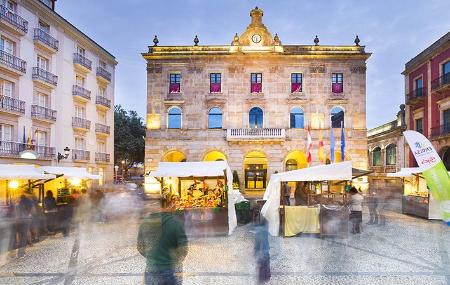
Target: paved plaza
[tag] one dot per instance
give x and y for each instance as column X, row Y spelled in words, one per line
column 405, row 251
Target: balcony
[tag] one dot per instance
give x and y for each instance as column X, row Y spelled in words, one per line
column 13, row 150
column 268, row 134
column 12, row 63
column 81, row 93
column 441, row 84
column 81, row 155
column 103, row 75
column 103, row 102
column 416, row 97
column 11, row 105
column 12, row 21
column 81, row 124
column 44, row 77
column 102, row 157
column 441, row 131
column 45, row 40
column 42, row 113
column 102, row 129
column 82, row 63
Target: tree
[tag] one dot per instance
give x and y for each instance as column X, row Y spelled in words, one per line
column 129, row 137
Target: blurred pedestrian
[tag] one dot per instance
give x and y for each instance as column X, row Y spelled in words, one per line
column 287, row 194
column 261, row 250
column 24, row 207
column 50, row 211
column 372, row 204
column 162, row 241
column 356, row 200
column 36, row 218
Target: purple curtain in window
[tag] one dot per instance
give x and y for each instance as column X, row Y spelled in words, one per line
column 256, row 87
column 215, row 88
column 336, row 87
column 174, row 88
column 296, row 87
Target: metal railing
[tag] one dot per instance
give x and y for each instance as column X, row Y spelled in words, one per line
column 40, row 112
column 13, row 149
column 103, row 129
column 265, row 133
column 13, row 62
column 418, row 93
column 44, row 75
column 81, row 123
column 103, row 101
column 440, row 81
column 103, row 73
column 102, row 157
column 80, row 91
column 12, row 104
column 13, row 19
column 78, row 154
column 82, row 60
column 441, row 130
column 46, row 38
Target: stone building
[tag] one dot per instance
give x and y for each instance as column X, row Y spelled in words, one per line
column 56, row 90
column 251, row 102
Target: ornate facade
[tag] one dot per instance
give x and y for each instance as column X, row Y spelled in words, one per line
column 251, row 102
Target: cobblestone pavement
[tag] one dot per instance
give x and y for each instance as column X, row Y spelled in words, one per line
column 405, row 251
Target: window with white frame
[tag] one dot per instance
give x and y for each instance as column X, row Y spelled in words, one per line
column 101, row 146
column 41, row 138
column 102, row 64
column 102, row 117
column 42, row 99
column 79, row 80
column 80, row 143
column 42, row 62
column 81, row 51
column 6, row 88
column 11, row 6
column 44, row 26
column 7, row 45
column 6, row 132
column 101, row 91
column 80, row 111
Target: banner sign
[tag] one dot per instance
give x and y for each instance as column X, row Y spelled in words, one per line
column 433, row 170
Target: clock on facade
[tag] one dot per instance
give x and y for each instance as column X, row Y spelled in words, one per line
column 256, row 38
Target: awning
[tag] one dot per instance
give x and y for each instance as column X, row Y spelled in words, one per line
column 23, row 171
column 328, row 172
column 70, row 172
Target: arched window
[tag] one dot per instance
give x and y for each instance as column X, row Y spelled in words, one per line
column 291, row 164
column 174, row 118
column 255, row 118
column 215, row 118
column 337, row 117
column 391, row 154
column 297, row 118
column 376, row 156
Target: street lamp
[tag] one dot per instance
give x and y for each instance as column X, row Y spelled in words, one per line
column 116, row 168
column 66, row 154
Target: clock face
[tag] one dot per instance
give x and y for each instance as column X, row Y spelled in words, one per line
column 256, row 38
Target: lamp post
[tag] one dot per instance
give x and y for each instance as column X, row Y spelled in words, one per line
column 116, row 168
column 66, row 154
column 123, row 168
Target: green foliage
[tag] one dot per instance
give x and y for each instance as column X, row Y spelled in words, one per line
column 236, row 182
column 129, row 137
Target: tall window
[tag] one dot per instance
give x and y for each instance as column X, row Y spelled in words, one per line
column 391, row 154
column 101, row 146
column 7, row 46
column 419, row 125
column 6, row 132
column 337, row 82
column 418, row 87
column 337, row 117
column 42, row 99
column 446, row 72
column 175, row 83
column 256, row 118
column 296, row 82
column 41, row 138
column 291, row 164
column 297, row 118
column 42, row 62
column 79, row 80
column 256, row 83
column 80, row 111
column 174, row 118
column 376, row 156
column 102, row 117
column 44, row 26
column 11, row 6
column 446, row 121
column 215, row 118
column 81, row 51
column 101, row 91
column 6, row 88
column 102, row 64
column 80, row 143
column 215, row 83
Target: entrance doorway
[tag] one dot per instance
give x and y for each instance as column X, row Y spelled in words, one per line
column 255, row 170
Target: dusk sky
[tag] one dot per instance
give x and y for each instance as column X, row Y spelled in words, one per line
column 394, row 31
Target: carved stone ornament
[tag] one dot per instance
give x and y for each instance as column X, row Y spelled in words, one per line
column 317, row 69
column 361, row 69
column 154, row 68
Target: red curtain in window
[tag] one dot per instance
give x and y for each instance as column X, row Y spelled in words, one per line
column 336, row 87
column 296, row 87
column 215, row 88
column 256, row 88
column 174, row 88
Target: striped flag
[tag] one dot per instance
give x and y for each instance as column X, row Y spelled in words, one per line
column 321, row 155
column 309, row 144
column 331, row 144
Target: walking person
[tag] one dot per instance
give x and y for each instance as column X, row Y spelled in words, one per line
column 262, row 251
column 50, row 211
column 287, row 194
column 356, row 200
column 372, row 204
column 23, row 211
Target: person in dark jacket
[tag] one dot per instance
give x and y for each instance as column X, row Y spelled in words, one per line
column 24, row 208
column 50, row 211
column 162, row 241
column 262, row 251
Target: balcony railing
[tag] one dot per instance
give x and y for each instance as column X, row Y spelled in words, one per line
column 82, row 60
column 44, row 75
column 78, row 154
column 102, row 157
column 440, row 82
column 11, row 104
column 39, row 112
column 81, row 123
column 102, row 129
column 46, row 38
column 441, row 130
column 416, row 96
column 13, row 62
column 13, row 149
column 13, row 19
column 80, row 91
column 256, row 134
column 101, row 72
column 100, row 100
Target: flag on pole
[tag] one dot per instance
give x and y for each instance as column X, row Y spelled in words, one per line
column 331, row 144
column 24, row 140
column 321, row 156
column 309, row 144
column 342, row 142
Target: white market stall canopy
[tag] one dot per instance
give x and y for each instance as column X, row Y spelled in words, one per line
column 23, row 171
column 70, row 172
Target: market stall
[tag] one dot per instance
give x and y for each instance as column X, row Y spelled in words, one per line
column 417, row 200
column 200, row 191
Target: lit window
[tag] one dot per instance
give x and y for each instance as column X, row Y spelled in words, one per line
column 215, row 118
column 337, row 117
column 174, row 119
column 337, row 85
column 256, row 83
column 256, row 118
column 175, row 83
column 296, row 82
column 297, row 118
column 215, row 81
